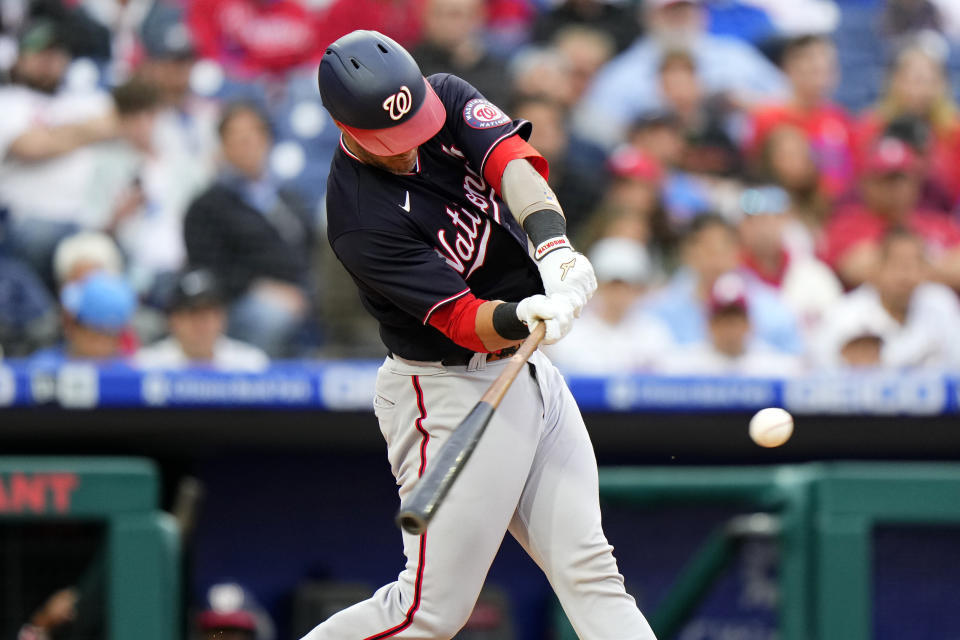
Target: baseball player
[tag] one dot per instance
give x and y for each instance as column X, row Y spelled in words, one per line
column 433, row 199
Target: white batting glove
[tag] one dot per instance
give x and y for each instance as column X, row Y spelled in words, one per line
column 556, row 311
column 565, row 272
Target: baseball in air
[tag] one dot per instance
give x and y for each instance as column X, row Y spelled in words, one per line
column 771, row 427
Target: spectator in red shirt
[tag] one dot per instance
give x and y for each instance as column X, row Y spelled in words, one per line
column 918, row 87
column 890, row 191
column 810, row 64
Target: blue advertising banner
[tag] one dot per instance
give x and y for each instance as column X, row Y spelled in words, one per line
column 348, row 386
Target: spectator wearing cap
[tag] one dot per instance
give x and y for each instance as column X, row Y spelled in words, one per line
column 890, row 193
column 83, row 253
column 256, row 239
column 730, row 348
column 711, row 248
column 47, row 138
column 614, row 335
column 857, row 342
column 915, row 132
column 232, row 613
column 632, row 208
column 96, row 311
column 627, row 86
column 810, row 65
column 196, row 318
column 918, row 86
column 910, row 316
column 806, row 285
column 87, row 252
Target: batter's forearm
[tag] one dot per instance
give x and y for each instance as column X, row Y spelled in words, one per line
column 498, row 326
column 526, row 192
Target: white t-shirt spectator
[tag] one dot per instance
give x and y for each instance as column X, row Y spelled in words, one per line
column 228, row 355
column 810, row 289
column 191, row 136
column 152, row 236
column 926, row 339
column 702, row 359
column 595, row 347
column 54, row 190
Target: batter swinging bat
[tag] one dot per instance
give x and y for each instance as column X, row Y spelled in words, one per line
column 422, row 504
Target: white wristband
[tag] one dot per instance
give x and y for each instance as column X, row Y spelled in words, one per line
column 550, row 245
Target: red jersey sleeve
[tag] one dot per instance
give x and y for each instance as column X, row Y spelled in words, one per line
column 508, row 150
column 457, row 319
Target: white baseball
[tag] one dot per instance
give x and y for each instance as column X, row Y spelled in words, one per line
column 771, row 427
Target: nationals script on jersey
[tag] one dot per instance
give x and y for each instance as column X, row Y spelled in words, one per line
column 416, row 241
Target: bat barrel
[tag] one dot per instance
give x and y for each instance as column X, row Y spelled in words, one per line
column 418, row 509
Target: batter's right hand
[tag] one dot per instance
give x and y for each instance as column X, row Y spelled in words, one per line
column 556, row 311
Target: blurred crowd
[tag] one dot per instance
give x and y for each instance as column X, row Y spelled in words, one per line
column 764, row 187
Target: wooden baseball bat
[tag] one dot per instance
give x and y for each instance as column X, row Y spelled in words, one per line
column 421, row 505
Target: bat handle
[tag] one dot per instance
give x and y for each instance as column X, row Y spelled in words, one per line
column 412, row 522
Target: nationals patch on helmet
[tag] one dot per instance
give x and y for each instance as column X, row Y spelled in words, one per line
column 480, row 114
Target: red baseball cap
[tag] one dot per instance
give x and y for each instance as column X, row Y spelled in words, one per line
column 629, row 162
column 891, row 155
column 729, row 292
column 237, row 619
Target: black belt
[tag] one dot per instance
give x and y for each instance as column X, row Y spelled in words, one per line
column 463, row 359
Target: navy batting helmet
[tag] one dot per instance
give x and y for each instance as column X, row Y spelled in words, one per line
column 374, row 89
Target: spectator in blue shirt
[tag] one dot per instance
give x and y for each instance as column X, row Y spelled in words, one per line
column 96, row 310
column 628, row 87
column 711, row 249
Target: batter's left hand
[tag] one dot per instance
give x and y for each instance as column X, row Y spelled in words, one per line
column 555, row 311
column 569, row 273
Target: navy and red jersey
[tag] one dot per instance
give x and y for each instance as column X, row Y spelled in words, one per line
column 415, row 242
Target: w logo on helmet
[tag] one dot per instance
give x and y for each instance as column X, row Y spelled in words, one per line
column 398, row 104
